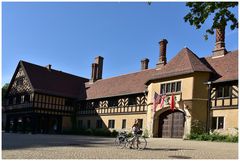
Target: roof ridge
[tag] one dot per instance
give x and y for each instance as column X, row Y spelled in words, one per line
column 52, row 69
column 125, row 74
column 189, row 58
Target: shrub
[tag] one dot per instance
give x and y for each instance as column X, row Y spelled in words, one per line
column 88, row 132
column 130, row 134
column 197, row 127
column 114, row 133
column 145, row 133
column 213, row 137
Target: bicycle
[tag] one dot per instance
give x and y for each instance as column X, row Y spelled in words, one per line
column 136, row 142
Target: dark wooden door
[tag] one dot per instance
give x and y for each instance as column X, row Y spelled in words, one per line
column 171, row 124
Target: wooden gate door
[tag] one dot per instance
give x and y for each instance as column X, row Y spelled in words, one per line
column 171, row 124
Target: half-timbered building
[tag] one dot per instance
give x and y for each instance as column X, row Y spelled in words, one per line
column 44, row 100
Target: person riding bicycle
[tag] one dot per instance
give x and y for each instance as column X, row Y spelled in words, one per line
column 135, row 131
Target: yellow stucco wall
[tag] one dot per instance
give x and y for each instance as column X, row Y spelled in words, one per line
column 118, row 120
column 186, row 87
column 200, row 90
column 230, row 117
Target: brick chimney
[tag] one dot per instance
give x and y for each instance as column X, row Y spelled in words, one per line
column 219, row 49
column 99, row 62
column 162, row 53
column 144, row 64
column 94, row 72
column 49, row 66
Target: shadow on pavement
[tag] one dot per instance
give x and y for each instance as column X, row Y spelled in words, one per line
column 166, row 149
column 14, row 141
column 179, row 157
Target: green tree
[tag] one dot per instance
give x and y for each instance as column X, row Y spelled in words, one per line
column 201, row 11
column 4, row 91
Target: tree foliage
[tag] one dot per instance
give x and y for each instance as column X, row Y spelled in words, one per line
column 4, row 90
column 200, row 11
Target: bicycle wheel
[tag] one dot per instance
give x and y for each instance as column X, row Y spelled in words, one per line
column 122, row 142
column 116, row 142
column 141, row 143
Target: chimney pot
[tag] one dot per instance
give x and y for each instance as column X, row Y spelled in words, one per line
column 220, row 49
column 162, row 53
column 144, row 64
column 49, row 66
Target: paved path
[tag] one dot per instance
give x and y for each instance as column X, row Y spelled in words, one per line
column 24, row 146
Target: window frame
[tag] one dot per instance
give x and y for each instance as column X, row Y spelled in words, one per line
column 124, row 123
column 111, row 124
column 175, row 86
column 216, row 123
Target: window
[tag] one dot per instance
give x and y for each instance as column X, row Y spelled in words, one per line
column 173, row 85
column 124, row 124
column 170, row 87
column 111, row 123
column 223, row 91
column 178, row 88
column 22, row 99
column 99, row 124
column 19, row 82
column 80, row 124
column 217, row 123
column 140, row 123
column 14, row 100
column 27, row 98
column 163, row 90
column 88, row 124
column 18, row 99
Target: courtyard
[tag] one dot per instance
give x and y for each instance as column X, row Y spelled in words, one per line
column 38, row 146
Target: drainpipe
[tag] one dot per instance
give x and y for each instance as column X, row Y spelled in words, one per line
column 209, row 83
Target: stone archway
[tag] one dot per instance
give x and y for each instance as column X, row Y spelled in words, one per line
column 171, row 124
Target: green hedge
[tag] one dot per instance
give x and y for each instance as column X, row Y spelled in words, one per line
column 213, row 137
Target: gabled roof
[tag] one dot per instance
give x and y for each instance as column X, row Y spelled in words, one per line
column 225, row 68
column 121, row 85
column 184, row 62
column 54, row 82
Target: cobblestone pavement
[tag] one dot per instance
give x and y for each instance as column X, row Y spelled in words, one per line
column 25, row 146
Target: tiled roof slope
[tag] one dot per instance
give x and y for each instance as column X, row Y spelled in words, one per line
column 183, row 63
column 121, row 85
column 225, row 68
column 55, row 82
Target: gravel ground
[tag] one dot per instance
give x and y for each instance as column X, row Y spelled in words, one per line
column 25, row 146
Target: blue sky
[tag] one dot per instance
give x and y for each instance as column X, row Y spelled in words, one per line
column 70, row 35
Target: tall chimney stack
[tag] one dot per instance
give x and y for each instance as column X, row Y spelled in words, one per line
column 162, row 53
column 94, row 72
column 220, row 49
column 144, row 64
column 99, row 62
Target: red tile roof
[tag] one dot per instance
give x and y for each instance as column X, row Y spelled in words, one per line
column 121, row 85
column 60, row 83
column 184, row 62
column 225, row 68
column 54, row 82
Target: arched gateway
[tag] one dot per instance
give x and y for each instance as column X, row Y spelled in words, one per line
column 171, row 124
